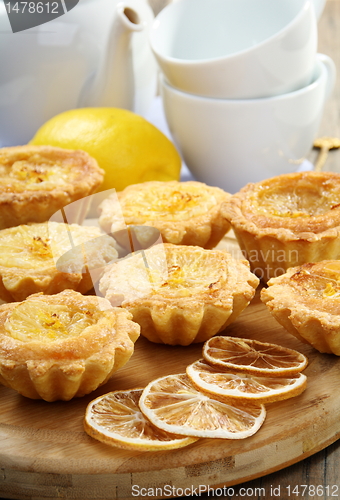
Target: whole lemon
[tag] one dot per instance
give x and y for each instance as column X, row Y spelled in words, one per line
column 128, row 147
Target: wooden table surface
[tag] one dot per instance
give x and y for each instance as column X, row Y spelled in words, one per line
column 301, row 480
column 322, row 469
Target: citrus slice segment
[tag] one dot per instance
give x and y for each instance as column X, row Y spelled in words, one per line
column 221, row 384
column 115, row 419
column 173, row 404
column 253, row 356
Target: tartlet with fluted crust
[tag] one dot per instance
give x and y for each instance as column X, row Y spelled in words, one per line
column 57, row 347
column 180, row 294
column 37, row 258
column 185, row 213
column 37, row 181
column 287, row 220
column 306, row 301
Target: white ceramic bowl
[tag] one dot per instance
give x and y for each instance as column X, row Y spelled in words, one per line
column 236, row 49
column 228, row 142
column 319, row 6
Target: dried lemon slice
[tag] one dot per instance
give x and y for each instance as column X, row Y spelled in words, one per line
column 173, row 404
column 115, row 419
column 262, row 389
column 252, row 356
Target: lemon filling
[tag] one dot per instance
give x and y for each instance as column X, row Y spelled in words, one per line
column 176, row 204
column 332, row 290
column 296, row 202
column 324, row 284
column 25, row 247
column 31, row 173
column 168, row 274
column 40, row 247
column 36, row 245
column 42, row 322
column 188, row 278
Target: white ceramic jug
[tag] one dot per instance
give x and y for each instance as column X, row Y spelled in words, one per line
column 97, row 54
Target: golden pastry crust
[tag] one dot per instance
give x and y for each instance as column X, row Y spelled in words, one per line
column 29, row 256
column 287, row 220
column 63, row 346
column 180, row 294
column 306, row 301
column 185, row 213
column 37, row 181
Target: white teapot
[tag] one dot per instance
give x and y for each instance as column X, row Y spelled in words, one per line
column 96, row 54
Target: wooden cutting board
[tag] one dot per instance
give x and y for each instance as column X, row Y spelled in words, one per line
column 44, row 452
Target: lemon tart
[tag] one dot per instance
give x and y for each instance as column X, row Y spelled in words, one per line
column 287, row 220
column 32, row 258
column 185, row 213
column 306, row 301
column 37, row 181
column 56, row 347
column 180, row 294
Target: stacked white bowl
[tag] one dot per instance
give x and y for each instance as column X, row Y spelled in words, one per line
column 242, row 85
